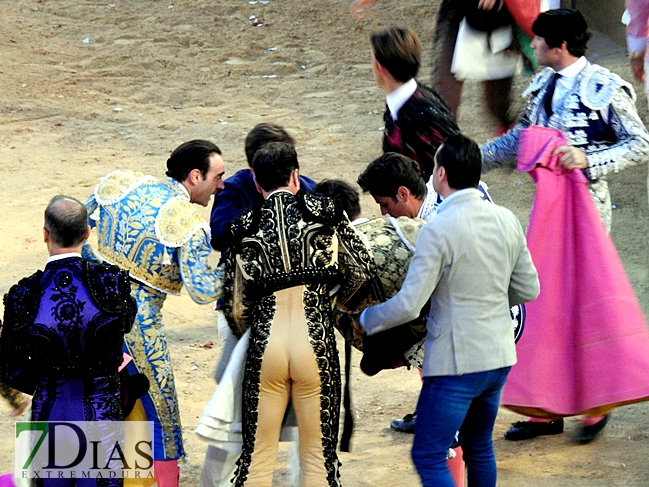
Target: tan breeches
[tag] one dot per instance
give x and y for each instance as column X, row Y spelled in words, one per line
column 288, row 368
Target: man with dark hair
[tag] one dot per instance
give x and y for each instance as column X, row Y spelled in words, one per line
column 239, row 193
column 416, row 119
column 64, row 327
column 345, row 197
column 462, row 162
column 239, row 190
column 285, row 262
column 394, row 182
column 150, row 228
column 472, row 263
column 595, row 109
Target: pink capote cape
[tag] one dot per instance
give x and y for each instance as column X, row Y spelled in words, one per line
column 585, row 349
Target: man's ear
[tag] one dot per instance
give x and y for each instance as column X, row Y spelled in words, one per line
column 195, row 176
column 46, row 235
column 442, row 176
column 295, row 178
column 87, row 236
column 403, row 194
column 381, row 69
column 254, row 178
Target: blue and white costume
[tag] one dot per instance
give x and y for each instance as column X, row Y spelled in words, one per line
column 151, row 229
column 597, row 115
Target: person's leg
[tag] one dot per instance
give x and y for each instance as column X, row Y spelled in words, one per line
column 448, row 24
column 443, row 404
column 311, row 406
column 274, row 391
column 498, row 97
column 218, row 467
column 477, row 430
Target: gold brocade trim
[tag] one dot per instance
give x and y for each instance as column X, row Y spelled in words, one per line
column 114, row 186
column 155, row 281
column 177, row 221
column 134, row 342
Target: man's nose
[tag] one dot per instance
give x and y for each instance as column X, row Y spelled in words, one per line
column 384, row 211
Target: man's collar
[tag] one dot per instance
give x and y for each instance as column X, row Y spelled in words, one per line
column 67, row 255
column 278, row 191
column 454, row 195
column 397, row 98
column 181, row 187
column 574, row 69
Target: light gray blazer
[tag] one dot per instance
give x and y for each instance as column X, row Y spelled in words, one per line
column 472, row 262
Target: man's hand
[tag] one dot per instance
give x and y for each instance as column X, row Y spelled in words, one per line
column 21, row 408
column 571, row 157
column 637, row 66
column 490, row 4
column 360, row 8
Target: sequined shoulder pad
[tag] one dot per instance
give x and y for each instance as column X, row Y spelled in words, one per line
column 22, row 301
column 407, row 229
column 116, row 185
column 109, row 286
column 539, row 81
column 598, row 87
column 177, row 221
column 319, row 208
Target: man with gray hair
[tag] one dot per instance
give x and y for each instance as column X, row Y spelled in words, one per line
column 64, row 327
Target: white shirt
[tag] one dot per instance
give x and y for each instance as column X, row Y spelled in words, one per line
column 567, row 82
column 397, row 98
column 67, row 255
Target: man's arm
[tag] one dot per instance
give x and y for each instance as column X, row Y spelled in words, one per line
column 227, row 205
column 424, row 273
column 501, row 152
column 203, row 283
column 524, row 283
column 86, row 250
column 355, row 262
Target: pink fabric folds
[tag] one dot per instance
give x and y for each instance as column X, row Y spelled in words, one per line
column 586, row 345
column 7, row 480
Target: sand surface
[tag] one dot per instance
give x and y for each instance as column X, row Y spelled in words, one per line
column 89, row 87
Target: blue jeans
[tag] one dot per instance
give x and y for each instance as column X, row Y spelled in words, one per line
column 468, row 403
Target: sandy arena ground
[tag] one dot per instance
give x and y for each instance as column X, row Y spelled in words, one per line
column 87, row 87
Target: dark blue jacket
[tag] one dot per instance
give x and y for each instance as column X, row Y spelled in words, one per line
column 239, row 193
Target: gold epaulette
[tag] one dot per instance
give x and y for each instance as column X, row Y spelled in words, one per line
column 116, row 185
column 177, row 222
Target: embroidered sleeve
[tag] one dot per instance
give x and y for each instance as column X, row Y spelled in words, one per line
column 355, row 262
column 632, row 146
column 92, row 207
column 502, row 151
column 233, row 301
column 203, row 283
column 21, row 303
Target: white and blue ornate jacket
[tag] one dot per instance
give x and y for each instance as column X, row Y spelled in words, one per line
column 151, row 229
column 598, row 116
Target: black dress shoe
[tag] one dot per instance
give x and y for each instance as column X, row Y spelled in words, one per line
column 524, row 430
column 586, row 434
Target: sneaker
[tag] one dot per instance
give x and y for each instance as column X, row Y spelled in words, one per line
column 405, row 425
column 524, row 430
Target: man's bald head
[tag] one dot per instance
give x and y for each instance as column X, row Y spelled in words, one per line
column 66, row 220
